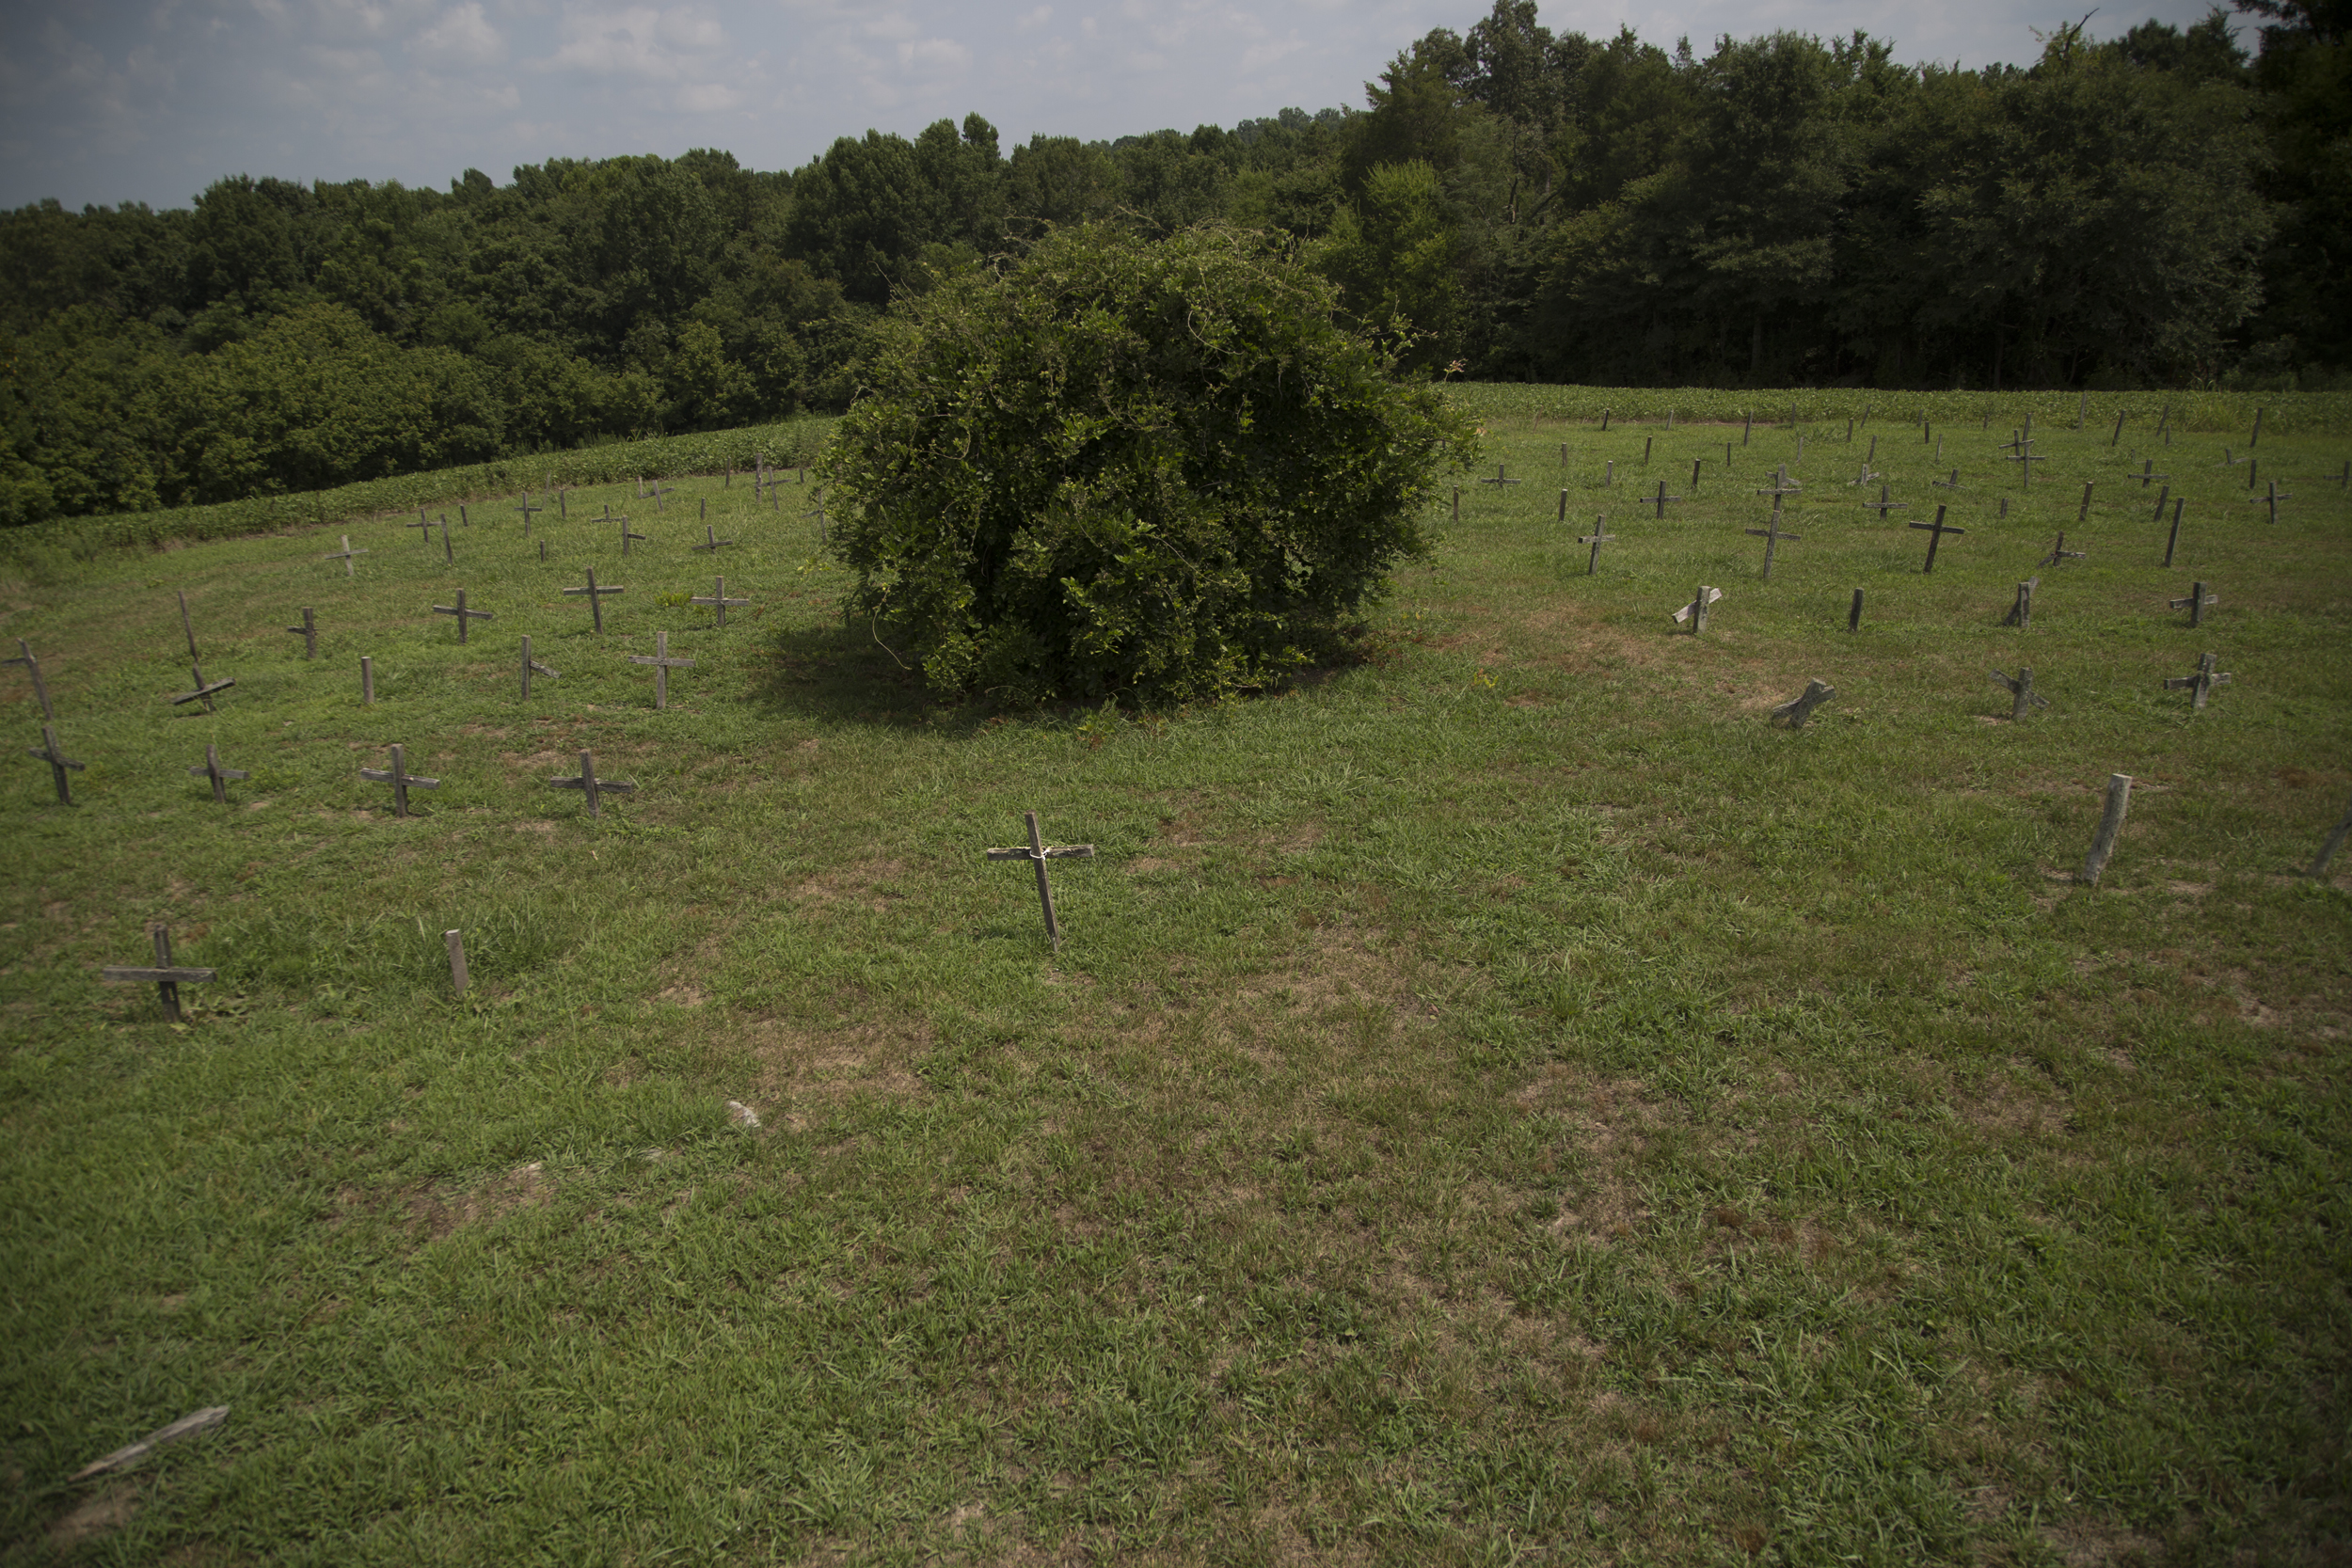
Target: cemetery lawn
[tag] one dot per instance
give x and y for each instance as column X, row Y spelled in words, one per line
column 1505, row 1101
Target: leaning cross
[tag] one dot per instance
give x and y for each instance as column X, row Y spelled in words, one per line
column 1935, row 532
column 1883, row 506
column 462, row 614
column 1660, row 500
column 596, row 598
column 1599, row 536
column 711, row 541
column 168, row 977
column 1771, row 535
column 1039, row 853
column 662, row 664
column 717, row 601
column 32, row 666
column 589, row 784
column 51, row 754
column 1951, row 484
column 1798, row 711
column 1695, row 611
column 449, row 552
column 2060, row 554
column 344, row 556
column 2195, row 603
column 204, row 689
column 2022, row 695
column 399, row 779
column 2200, row 686
column 309, row 633
column 219, row 775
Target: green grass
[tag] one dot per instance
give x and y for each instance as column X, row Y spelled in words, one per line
column 1505, row 1101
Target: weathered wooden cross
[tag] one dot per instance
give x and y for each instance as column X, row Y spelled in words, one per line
column 1599, row 536
column 51, row 754
column 1935, row 532
column 167, row 976
column 1039, row 852
column 2110, row 824
column 32, row 666
column 596, row 598
column 1660, row 500
column 399, row 779
column 1771, row 533
column 2022, row 695
column 424, row 523
column 2333, row 843
column 219, row 775
column 204, row 689
column 1883, row 506
column 662, row 664
column 2200, row 686
column 589, row 784
column 2195, row 603
column 1798, row 710
column 2060, row 554
column 1695, row 611
column 718, row 601
column 818, row 511
column 528, row 510
column 309, row 633
column 1951, row 484
column 533, row 667
column 464, row 614
column 626, row 536
column 344, row 556
column 711, row 543
column 2148, row 475
column 2083, row 514
column 1498, row 479
column 1782, row 486
column 2272, row 500
column 2021, row 613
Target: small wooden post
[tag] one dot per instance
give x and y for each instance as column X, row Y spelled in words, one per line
column 1935, row 531
column 1604, row 419
column 1039, row 852
column 2110, row 824
column 527, row 510
column 1563, row 507
column 718, row 601
column 1854, row 616
column 596, row 598
column 1599, row 536
column 2255, row 439
column 1647, row 441
column 2195, row 603
column 2021, row 613
column 1607, row 475
column 1695, row 611
column 2272, row 500
column 424, row 523
column 662, row 664
column 51, row 754
column 1800, row 709
column 818, row 511
column 533, row 667
column 399, row 779
column 344, row 556
column 167, row 976
column 40, row 688
column 2335, row 842
column 2200, row 686
column 455, row 942
column 2082, row 410
column 217, row 774
column 367, row 681
column 2174, row 537
column 204, row 689
column 589, row 784
column 309, row 633
column 2022, row 695
column 2111, row 441
column 449, row 554
column 1696, row 464
column 2250, row 466
column 462, row 614
column 2083, row 514
column 1458, row 503
column 2162, row 496
column 1747, row 426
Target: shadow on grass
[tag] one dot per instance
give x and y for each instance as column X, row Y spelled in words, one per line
column 846, row 677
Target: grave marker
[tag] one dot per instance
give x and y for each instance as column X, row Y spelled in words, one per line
column 2083, row 514
column 2059, row 555
column 1660, row 500
column 1883, row 506
column 1696, row 464
column 2149, row 476
column 662, row 664
column 2174, row 537
column 2272, row 500
column 1951, row 484
column 1695, row 611
column 2335, row 842
column 2023, row 697
column 1039, row 852
column 719, row 601
column 2162, row 496
column 344, row 556
column 711, row 544
column 462, row 614
column 2119, row 431
column 589, row 784
column 2200, row 686
column 1564, row 508
column 455, row 942
column 596, row 598
column 1854, row 616
column 1498, row 479
column 217, row 774
column 32, row 666
column 528, row 510
column 1800, row 709
column 422, row 522
column 1771, row 535
column 399, row 779
column 533, row 667
column 51, row 754
column 2021, row 613
column 1936, row 531
column 1747, row 425
column 818, row 511
column 2195, row 603
column 626, row 536
column 204, row 689
column 1599, row 536
column 2110, row 824
column 2255, row 439
column 449, row 555
column 367, row 681
column 167, row 978
column 1647, row 441
column 309, row 633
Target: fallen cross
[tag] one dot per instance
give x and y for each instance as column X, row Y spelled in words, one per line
column 589, row 784
column 1039, row 852
column 399, row 779
column 2200, row 686
column 1936, row 531
column 2195, row 603
column 718, row 601
column 662, row 664
column 462, row 614
column 2060, row 554
column 1798, row 711
column 217, row 774
column 50, row 753
column 1695, row 611
column 204, row 689
column 2021, row 694
column 167, row 978
column 186, row 1426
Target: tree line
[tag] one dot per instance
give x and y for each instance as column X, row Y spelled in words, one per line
column 1511, row 204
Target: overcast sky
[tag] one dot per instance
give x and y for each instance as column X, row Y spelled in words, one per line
column 109, row 100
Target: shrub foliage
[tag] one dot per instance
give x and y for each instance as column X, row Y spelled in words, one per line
column 1151, row 472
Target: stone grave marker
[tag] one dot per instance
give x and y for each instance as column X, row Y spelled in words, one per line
column 2023, row 697
column 2195, row 603
column 51, row 754
column 344, row 556
column 662, row 664
column 1038, row 852
column 1695, row 611
column 2200, row 686
column 167, row 976
column 309, row 633
column 462, row 614
column 2021, row 613
column 1801, row 708
column 1935, row 532
column 218, row 775
column 1599, row 536
column 399, row 779
column 533, row 667
column 596, row 598
column 719, row 602
column 589, row 784
column 32, row 668
column 2110, row 825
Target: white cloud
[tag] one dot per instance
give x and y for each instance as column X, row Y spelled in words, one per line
column 462, row 36
column 935, row 56
column 1031, row 21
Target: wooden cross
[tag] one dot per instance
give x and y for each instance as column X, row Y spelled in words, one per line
column 818, row 511
column 2029, row 458
column 2147, row 475
column 626, row 536
column 1599, row 536
column 719, row 601
column 2195, row 603
column 344, row 556
column 2272, row 500
column 656, row 491
column 2022, row 696
column 1883, row 506
column 2174, row 537
column 1771, row 535
column 32, row 666
column 309, row 633
column 1498, row 479
column 1039, row 852
column 527, row 510
column 219, row 775
column 595, row 596
column 2021, row 613
column 1782, row 486
column 399, row 779
column 1695, row 611
column 1660, row 500
column 422, row 522
column 589, row 784
column 167, row 976
column 2250, row 466
column 462, row 614
column 2200, row 686
column 1798, row 711
column 1951, row 484
column 204, row 689
column 2060, row 554
column 1936, row 531
column 533, row 667
column 1864, row 475
column 51, row 754
column 2110, row 823
column 662, row 664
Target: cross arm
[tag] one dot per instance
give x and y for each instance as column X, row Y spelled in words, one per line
column 384, row 775
column 135, row 973
column 1058, row 851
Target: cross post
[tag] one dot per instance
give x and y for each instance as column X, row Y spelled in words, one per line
column 1038, row 854
column 424, row 523
column 2174, row 537
column 32, row 666
column 168, row 977
column 449, row 553
column 309, row 633
column 533, row 667
column 626, row 536
column 1853, row 615
column 589, row 784
column 528, row 510
column 217, row 774
column 2333, row 843
column 1801, row 708
column 2200, row 686
column 1498, row 479
column 344, row 556
column 204, row 689
column 711, row 543
column 2083, row 516
column 2111, row 819
column 718, row 601
column 2272, row 500
column 1660, row 500
column 51, row 754
column 462, row 614
column 1951, row 484
column 596, row 598
column 2023, row 697
column 399, row 779
column 662, row 664
column 2147, row 474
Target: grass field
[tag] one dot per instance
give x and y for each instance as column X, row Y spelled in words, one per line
column 1505, row 1100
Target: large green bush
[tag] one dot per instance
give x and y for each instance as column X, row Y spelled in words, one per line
column 1158, row 472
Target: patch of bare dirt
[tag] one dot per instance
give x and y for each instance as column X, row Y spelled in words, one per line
column 105, row 1511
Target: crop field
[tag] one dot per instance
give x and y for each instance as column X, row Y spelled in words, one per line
column 1506, row 1100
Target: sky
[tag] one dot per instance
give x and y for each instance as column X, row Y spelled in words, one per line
column 115, row 100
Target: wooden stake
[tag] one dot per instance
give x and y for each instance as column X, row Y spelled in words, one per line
column 2022, row 695
column 309, row 633
column 1854, row 616
column 455, row 942
column 2110, row 824
column 2334, row 843
column 2021, row 613
column 2195, row 603
column 2174, row 537
column 367, row 681
column 533, row 667
column 1936, row 531
column 2083, row 516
